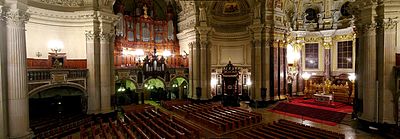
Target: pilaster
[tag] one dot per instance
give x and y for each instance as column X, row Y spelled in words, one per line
column 105, row 71
column 93, row 66
column 258, row 62
column 3, row 75
column 18, row 113
column 369, row 72
column 386, row 60
column 204, row 62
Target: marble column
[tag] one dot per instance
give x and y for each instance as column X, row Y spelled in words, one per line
column 18, row 112
column 105, row 72
column 369, row 73
column 93, row 66
column 3, row 77
column 386, row 60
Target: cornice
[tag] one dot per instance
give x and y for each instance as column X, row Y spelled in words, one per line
column 77, row 18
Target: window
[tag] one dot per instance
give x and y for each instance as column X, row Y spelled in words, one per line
column 345, row 55
column 311, row 58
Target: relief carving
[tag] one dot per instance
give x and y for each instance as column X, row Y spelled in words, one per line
column 65, row 3
column 16, row 17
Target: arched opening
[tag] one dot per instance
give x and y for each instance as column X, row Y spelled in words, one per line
column 179, row 88
column 56, row 103
column 125, row 93
column 154, row 89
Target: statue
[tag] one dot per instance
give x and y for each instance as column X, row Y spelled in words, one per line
column 335, row 18
column 305, row 21
column 145, row 11
column 202, row 16
column 320, row 19
column 257, row 12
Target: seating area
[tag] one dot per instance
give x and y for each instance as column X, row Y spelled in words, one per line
column 288, row 130
column 215, row 117
column 143, row 122
column 57, row 127
column 314, row 113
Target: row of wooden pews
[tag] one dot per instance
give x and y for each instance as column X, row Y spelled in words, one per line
column 55, row 129
column 158, row 124
column 141, row 122
column 168, row 104
column 216, row 117
column 284, row 129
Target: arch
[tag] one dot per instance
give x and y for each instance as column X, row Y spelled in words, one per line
column 159, row 78
column 129, row 79
column 49, row 86
column 171, row 82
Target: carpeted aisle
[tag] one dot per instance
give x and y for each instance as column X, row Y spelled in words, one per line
column 308, row 111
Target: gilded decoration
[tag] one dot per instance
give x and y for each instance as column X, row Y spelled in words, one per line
column 344, row 37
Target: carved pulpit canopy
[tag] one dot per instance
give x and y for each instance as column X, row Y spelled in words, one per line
column 230, row 69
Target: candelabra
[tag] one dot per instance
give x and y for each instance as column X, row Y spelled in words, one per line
column 352, row 78
column 306, row 76
column 55, row 46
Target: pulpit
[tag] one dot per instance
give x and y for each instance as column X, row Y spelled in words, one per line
column 230, row 85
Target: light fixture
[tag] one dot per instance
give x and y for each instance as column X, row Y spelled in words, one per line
column 306, row 76
column 213, row 82
column 248, row 82
column 167, row 53
column 121, row 89
column 138, row 52
column 55, row 45
column 352, row 77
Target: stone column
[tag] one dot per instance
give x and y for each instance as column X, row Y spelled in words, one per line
column 386, row 60
column 93, row 66
column 190, row 82
column 257, row 63
column 195, row 80
column 3, row 76
column 18, row 113
column 369, row 73
column 105, row 72
column 204, row 64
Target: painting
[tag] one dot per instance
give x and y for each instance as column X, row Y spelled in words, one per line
column 231, row 8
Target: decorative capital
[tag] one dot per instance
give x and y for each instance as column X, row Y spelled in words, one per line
column 204, row 43
column 256, row 28
column 389, row 23
column 91, row 35
column 105, row 36
column 15, row 16
column 371, row 27
column 203, row 30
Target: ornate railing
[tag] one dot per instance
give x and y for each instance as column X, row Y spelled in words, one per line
column 48, row 74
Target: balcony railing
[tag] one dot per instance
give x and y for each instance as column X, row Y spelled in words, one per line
column 46, row 74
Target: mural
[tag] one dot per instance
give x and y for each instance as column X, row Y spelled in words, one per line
column 231, row 8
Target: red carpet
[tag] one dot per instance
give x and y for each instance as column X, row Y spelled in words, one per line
column 309, row 110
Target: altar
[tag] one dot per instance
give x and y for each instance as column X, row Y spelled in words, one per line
column 325, row 98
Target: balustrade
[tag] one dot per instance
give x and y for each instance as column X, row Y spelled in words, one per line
column 46, row 74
